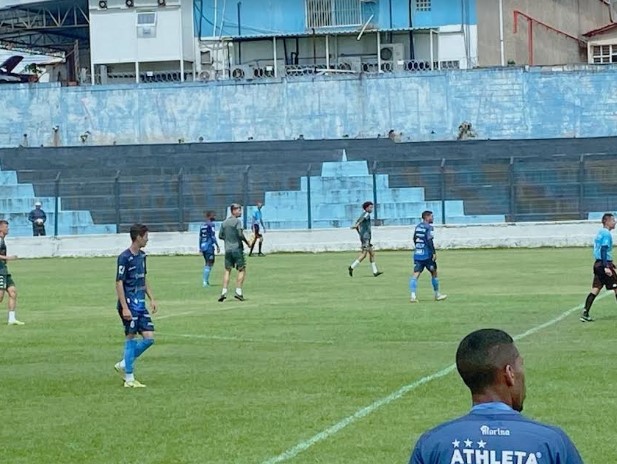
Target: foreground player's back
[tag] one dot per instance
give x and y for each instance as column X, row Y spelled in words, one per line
column 495, row 436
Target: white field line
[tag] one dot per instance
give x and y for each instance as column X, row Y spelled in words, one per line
column 361, row 413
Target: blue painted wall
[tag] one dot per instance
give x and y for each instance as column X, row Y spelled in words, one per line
column 500, row 103
column 276, row 17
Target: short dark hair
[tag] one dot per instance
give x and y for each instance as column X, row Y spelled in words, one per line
column 4, row 221
column 481, row 354
column 138, row 230
column 426, row 214
column 366, row 204
column 235, row 206
column 210, row 214
column 606, row 217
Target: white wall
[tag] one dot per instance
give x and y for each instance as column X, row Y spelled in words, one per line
column 563, row 234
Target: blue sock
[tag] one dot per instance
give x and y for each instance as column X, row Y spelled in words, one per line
column 435, row 282
column 413, row 284
column 129, row 355
column 142, row 345
column 207, row 270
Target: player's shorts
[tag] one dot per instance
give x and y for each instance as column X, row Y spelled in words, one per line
column 366, row 244
column 428, row 264
column 140, row 322
column 256, row 231
column 6, row 281
column 600, row 279
column 209, row 257
column 234, row 259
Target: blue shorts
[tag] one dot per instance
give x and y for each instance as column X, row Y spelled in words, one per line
column 139, row 323
column 209, row 256
column 428, row 264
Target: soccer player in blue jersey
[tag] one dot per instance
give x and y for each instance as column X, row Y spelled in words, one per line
column 424, row 257
column 604, row 274
column 494, row 431
column 258, row 230
column 132, row 288
column 363, row 227
column 207, row 245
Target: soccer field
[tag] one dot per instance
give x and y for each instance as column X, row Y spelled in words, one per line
column 265, row 380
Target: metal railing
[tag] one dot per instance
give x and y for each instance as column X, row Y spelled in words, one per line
column 296, row 196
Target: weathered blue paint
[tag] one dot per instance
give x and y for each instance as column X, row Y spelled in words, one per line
column 500, row 104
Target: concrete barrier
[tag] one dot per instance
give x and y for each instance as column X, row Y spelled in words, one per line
column 524, row 235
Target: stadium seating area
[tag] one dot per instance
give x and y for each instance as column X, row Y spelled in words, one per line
column 102, row 189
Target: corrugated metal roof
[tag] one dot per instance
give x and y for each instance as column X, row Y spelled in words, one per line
column 323, row 32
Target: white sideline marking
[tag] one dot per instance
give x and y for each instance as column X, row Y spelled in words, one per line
column 167, row 316
column 247, row 340
column 359, row 414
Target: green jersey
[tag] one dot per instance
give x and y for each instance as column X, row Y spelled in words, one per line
column 3, row 266
column 232, row 234
column 364, row 226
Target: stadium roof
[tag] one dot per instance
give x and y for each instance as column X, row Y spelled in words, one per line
column 44, row 26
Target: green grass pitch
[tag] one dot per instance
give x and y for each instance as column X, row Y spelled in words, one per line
column 244, row 382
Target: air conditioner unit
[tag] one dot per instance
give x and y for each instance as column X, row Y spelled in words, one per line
column 207, row 75
column 393, row 55
column 206, row 57
column 242, row 72
column 350, row 63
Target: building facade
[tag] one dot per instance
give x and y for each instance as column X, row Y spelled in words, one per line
column 256, row 38
column 537, row 32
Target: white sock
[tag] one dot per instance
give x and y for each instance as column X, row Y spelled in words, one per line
column 12, row 317
column 413, row 296
column 238, row 291
column 224, row 292
column 122, row 364
column 129, row 377
column 374, row 266
column 355, row 264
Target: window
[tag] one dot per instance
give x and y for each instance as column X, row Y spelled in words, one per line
column 604, row 54
column 146, row 24
column 332, row 13
column 423, row 5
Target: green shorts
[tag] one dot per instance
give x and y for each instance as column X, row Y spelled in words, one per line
column 6, row 281
column 234, row 259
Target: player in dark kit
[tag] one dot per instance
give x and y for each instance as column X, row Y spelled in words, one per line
column 132, row 288
column 7, row 284
column 258, row 230
column 233, row 235
column 363, row 226
column 604, row 274
column 207, row 245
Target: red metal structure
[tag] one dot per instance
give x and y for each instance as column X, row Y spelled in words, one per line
column 530, row 23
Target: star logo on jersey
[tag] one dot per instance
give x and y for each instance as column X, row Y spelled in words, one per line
column 481, row 444
column 468, row 443
column 456, row 443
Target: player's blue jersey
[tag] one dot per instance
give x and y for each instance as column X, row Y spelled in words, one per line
column 603, row 239
column 423, row 241
column 207, row 236
column 493, row 433
column 132, row 272
column 257, row 217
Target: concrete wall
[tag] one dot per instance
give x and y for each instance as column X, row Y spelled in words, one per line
column 500, row 103
column 564, row 234
column 574, row 17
